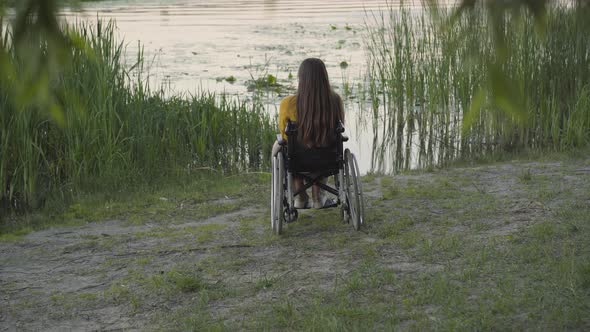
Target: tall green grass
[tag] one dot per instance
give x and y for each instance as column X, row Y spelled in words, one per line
column 117, row 131
column 474, row 88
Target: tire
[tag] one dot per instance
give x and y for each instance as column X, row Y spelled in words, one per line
column 344, row 210
column 273, row 180
column 279, row 194
column 352, row 190
column 359, row 186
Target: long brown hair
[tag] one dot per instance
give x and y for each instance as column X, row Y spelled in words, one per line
column 319, row 109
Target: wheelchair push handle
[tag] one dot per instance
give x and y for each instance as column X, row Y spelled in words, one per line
column 340, row 130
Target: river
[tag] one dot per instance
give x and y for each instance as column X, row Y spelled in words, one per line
column 224, row 46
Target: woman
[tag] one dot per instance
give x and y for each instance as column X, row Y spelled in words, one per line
column 317, row 109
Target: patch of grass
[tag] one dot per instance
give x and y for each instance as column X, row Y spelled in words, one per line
column 340, row 240
column 15, row 235
column 388, row 188
column 170, row 283
column 143, row 261
column 543, row 231
column 88, row 297
column 525, row 176
column 316, row 221
column 583, row 275
column 208, row 233
column 265, row 282
column 185, row 282
column 195, row 316
column 394, row 228
column 331, row 310
column 410, row 239
column 119, row 293
column 178, row 199
column 253, row 231
column 370, row 177
column 446, row 247
column 247, row 227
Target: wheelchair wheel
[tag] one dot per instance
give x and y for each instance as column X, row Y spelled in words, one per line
column 273, row 191
column 353, row 191
column 360, row 190
column 277, row 193
column 273, row 161
column 344, row 214
column 344, row 211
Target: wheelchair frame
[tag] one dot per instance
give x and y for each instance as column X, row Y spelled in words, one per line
column 312, row 165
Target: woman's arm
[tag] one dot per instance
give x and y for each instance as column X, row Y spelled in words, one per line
column 287, row 111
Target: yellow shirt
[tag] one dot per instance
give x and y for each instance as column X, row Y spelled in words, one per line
column 287, row 111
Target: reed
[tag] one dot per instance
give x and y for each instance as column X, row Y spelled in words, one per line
column 117, row 131
column 474, row 88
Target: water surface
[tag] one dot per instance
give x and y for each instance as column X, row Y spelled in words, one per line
column 195, row 45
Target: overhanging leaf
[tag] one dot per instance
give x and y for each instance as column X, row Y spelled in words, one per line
column 474, row 112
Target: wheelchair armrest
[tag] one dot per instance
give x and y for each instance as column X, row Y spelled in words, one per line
column 281, row 140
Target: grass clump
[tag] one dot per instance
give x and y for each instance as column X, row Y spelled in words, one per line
column 266, row 82
column 466, row 90
column 116, row 131
column 525, row 176
column 186, row 283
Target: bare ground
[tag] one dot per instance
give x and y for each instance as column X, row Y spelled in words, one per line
column 226, row 270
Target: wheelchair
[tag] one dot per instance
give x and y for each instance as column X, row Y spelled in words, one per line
column 312, row 165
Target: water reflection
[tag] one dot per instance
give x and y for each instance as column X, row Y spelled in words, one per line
column 164, row 16
column 270, row 6
column 409, row 137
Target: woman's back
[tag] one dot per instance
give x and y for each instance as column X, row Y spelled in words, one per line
column 316, row 108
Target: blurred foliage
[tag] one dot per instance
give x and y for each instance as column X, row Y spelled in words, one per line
column 505, row 93
column 39, row 44
column 112, row 131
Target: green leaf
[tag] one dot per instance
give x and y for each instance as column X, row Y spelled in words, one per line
column 474, row 110
column 271, row 79
column 507, row 95
column 57, row 114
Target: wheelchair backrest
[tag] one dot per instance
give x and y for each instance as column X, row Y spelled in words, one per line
column 318, row 159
